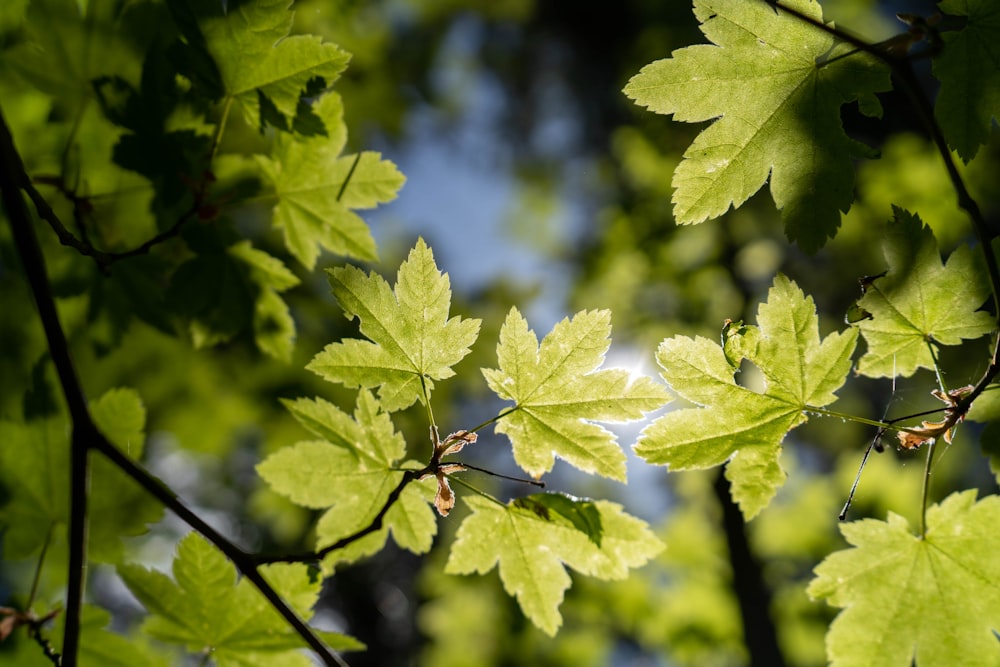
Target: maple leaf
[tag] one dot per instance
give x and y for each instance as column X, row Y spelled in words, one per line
column 208, row 611
column 776, row 85
column 920, row 302
column 317, row 188
column 968, row 67
column 531, row 539
column 246, row 53
column 351, row 474
column 69, row 46
column 412, row 341
column 274, row 329
column 734, row 423
column 931, row 599
column 558, row 392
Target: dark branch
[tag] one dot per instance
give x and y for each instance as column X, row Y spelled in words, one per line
column 86, row 436
column 902, row 69
column 12, row 178
column 752, row 593
column 903, row 72
column 374, row 526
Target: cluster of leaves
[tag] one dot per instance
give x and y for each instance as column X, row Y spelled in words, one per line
column 228, row 109
column 774, row 79
column 558, row 390
column 154, row 87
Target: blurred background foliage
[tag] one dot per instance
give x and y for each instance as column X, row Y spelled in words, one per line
column 538, row 184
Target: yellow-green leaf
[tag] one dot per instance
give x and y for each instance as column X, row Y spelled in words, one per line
column 559, row 391
column 735, row 423
column 411, row 340
column 774, row 86
column 531, row 548
column 932, row 599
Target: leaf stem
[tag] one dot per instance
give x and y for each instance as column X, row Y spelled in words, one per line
column 477, row 490
column 427, row 403
column 887, row 425
column 854, row 418
column 522, row 480
column 503, row 413
column 937, row 367
column 925, row 488
column 350, row 174
column 38, row 569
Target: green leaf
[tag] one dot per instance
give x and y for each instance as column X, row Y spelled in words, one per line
column 986, row 409
column 558, row 392
column 246, row 53
column 265, row 270
column 968, row 67
column 920, row 302
column 352, row 473
column 412, row 341
column 213, row 290
column 531, row 548
column 776, row 85
column 581, row 514
column 206, row 609
column 99, row 647
column 67, row 49
column 274, row 329
column 317, row 188
column 737, row 424
column 933, row 599
column 121, row 417
column 35, row 472
column 273, row 326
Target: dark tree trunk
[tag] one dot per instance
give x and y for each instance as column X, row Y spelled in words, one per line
column 752, row 593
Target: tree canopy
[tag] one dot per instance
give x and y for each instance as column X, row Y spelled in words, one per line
column 452, row 333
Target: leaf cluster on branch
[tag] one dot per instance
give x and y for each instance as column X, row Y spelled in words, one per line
column 176, row 126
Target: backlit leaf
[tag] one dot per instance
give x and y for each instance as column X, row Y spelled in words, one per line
column 317, row 189
column 737, row 424
column 351, row 475
column 774, row 86
column 932, row 599
column 532, row 547
column 244, row 52
column 558, row 392
column 920, row 302
column 412, row 341
column 274, row 329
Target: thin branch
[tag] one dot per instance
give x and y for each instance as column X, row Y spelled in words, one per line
column 903, row 70
column 86, row 436
column 12, row 178
column 534, row 482
column 374, row 526
column 35, row 632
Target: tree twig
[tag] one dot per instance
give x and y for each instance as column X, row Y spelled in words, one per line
column 374, row 526
column 903, row 71
column 86, row 436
